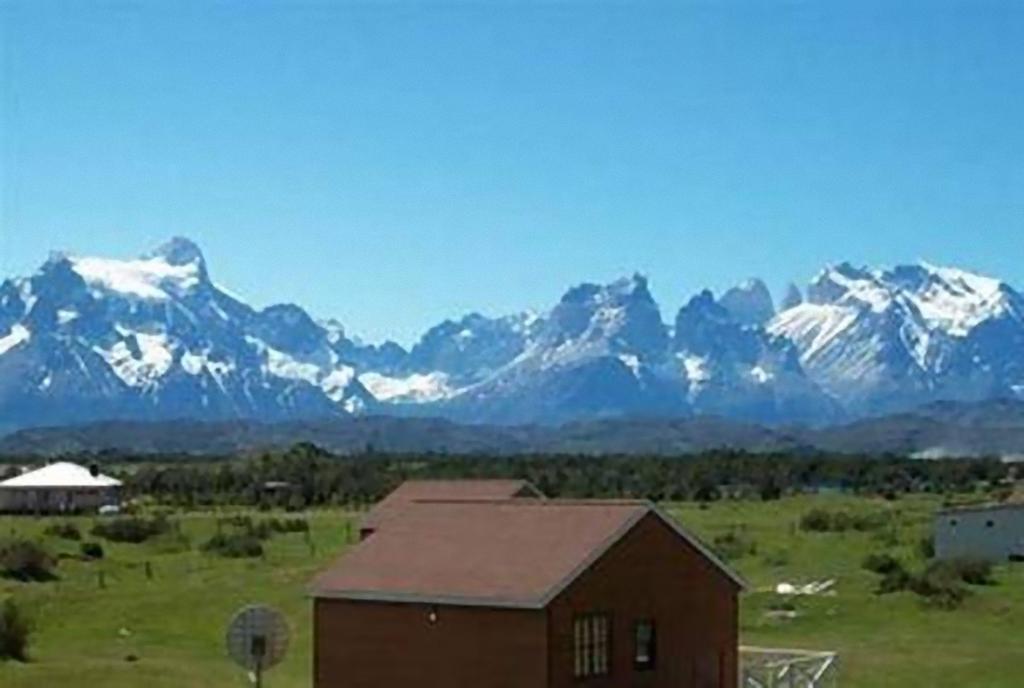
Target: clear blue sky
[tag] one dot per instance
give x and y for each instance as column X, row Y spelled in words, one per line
column 395, row 164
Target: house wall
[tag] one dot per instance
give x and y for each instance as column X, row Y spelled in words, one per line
column 55, row 500
column 380, row 645
column 652, row 574
column 994, row 534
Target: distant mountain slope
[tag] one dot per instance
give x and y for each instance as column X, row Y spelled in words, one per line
column 155, row 338
column 947, row 429
column 885, row 340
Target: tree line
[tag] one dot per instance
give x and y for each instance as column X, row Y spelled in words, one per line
column 306, row 476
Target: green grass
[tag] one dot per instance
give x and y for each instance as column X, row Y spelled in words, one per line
column 174, row 623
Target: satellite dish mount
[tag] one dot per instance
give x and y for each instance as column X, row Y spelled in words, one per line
column 257, row 639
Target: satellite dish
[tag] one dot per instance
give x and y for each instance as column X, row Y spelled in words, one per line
column 257, row 639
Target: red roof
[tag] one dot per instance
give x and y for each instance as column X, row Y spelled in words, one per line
column 415, row 490
column 509, row 553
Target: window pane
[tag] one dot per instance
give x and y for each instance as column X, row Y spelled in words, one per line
column 645, row 644
column 591, row 645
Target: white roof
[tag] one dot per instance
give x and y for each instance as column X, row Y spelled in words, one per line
column 61, row 474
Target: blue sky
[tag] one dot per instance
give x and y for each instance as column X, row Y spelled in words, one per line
column 395, row 164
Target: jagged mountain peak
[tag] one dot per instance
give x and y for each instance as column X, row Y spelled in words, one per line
column 178, row 250
column 154, row 337
column 749, row 302
column 620, row 317
column 792, row 298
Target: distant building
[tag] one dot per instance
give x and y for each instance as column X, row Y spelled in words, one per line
column 58, row 488
column 526, row 593
column 412, row 491
column 993, row 532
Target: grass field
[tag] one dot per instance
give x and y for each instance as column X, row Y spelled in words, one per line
column 173, row 624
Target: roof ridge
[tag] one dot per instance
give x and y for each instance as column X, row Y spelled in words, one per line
column 521, row 502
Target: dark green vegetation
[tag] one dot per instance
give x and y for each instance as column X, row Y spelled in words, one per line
column 132, row 529
column 306, row 476
column 25, row 560
column 242, row 536
column 15, row 630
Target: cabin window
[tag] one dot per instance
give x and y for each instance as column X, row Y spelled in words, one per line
column 952, row 522
column 592, row 645
column 645, row 645
column 990, row 524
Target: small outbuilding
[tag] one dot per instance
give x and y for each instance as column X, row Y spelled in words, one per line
column 412, row 491
column 989, row 532
column 527, row 593
column 60, row 487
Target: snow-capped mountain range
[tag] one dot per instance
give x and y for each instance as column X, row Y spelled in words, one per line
column 155, row 338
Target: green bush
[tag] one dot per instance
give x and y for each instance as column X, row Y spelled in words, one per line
column 940, row 586
column 817, row 521
column 881, row 563
column 25, row 560
column 65, row 531
column 926, row 547
column 733, row 545
column 895, row 580
column 15, row 631
column 171, row 543
column 971, row 571
column 234, row 545
column 289, row 525
column 91, row 550
column 133, row 529
column 823, row 521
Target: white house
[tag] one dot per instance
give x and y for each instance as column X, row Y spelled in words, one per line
column 58, row 488
column 993, row 533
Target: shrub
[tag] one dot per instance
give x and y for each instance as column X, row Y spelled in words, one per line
column 234, row 545
column 288, row 525
column 816, row 520
column 25, row 560
column 940, row 586
column 895, row 580
column 65, row 531
column 926, row 547
column 91, row 550
column 15, row 630
column 734, row 545
column 822, row 521
column 171, row 543
column 133, row 529
column 882, row 564
column 971, row 571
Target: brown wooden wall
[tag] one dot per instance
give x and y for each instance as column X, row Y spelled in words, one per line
column 375, row 645
column 650, row 574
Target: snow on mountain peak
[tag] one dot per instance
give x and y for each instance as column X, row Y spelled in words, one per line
column 957, row 301
column 174, row 268
column 148, row 279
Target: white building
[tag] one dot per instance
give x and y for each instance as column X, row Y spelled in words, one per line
column 992, row 533
column 58, row 488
